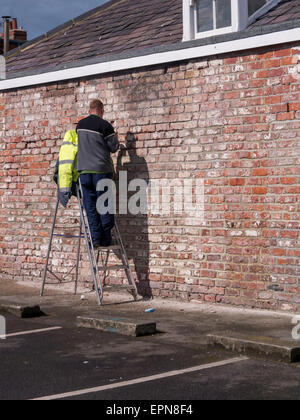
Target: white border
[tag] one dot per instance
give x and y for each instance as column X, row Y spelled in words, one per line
column 273, row 38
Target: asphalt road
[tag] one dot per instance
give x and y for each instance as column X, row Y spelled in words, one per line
column 56, row 363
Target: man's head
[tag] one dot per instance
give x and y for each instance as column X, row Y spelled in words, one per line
column 97, row 107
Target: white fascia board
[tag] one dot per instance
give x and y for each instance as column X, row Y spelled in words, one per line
column 154, row 59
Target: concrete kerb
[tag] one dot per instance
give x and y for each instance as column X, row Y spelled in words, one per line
column 22, row 311
column 118, row 325
column 266, row 347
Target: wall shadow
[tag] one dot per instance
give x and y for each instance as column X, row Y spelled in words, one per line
column 134, row 228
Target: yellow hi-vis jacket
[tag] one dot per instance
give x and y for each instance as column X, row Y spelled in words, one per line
column 67, row 164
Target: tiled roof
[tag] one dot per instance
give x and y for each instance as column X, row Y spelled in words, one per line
column 119, row 27
column 116, row 27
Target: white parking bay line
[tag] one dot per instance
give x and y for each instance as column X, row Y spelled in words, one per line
column 32, row 332
column 142, row 380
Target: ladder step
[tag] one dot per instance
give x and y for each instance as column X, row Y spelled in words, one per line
column 119, row 287
column 66, row 227
column 109, row 248
column 66, row 235
column 114, row 267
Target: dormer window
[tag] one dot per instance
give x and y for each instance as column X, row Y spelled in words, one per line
column 205, row 18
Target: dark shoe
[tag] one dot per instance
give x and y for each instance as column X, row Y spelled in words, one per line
column 106, row 244
column 106, row 239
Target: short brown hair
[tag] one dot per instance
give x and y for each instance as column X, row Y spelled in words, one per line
column 96, row 104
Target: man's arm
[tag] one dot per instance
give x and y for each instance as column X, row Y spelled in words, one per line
column 67, row 158
column 112, row 142
column 111, row 138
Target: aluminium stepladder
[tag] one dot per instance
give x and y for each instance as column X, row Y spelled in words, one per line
column 102, row 254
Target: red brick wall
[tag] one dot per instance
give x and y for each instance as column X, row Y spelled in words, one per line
column 233, row 121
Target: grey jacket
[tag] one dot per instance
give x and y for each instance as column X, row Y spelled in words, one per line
column 96, row 141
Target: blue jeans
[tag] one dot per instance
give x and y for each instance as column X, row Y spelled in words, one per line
column 100, row 224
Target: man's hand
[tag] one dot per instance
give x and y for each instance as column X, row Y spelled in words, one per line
column 122, row 150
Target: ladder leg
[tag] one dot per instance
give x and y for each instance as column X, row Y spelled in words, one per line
column 105, row 267
column 77, row 257
column 49, row 248
column 125, row 262
column 90, row 248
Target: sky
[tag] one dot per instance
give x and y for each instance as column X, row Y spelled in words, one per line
column 40, row 16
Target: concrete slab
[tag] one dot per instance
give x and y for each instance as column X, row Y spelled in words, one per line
column 275, row 349
column 118, row 325
column 22, row 311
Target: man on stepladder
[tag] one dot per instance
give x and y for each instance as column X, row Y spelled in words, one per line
column 96, row 141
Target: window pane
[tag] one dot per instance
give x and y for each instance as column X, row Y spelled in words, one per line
column 205, row 15
column 254, row 5
column 223, row 13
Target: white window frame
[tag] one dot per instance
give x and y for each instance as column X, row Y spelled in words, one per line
column 239, row 18
column 220, row 31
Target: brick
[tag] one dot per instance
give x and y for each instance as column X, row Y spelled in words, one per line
column 237, row 182
column 273, row 99
column 260, row 190
column 286, row 116
column 294, row 106
column 260, row 172
column 273, row 63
